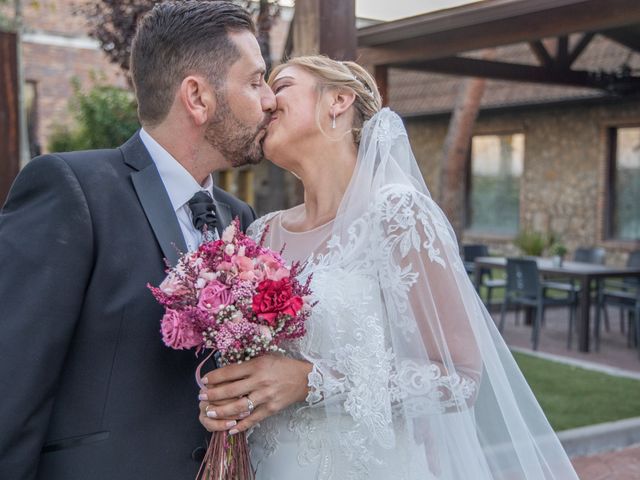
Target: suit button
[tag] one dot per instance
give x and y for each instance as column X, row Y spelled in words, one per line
column 198, row 454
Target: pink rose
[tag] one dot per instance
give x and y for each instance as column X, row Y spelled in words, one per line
column 178, row 332
column 244, row 264
column 214, row 296
column 273, row 268
column 247, row 276
column 277, row 274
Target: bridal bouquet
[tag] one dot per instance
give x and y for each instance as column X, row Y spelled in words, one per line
column 237, row 299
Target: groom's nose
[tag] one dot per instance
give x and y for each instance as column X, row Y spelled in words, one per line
column 268, row 99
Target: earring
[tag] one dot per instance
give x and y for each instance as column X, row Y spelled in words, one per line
column 333, row 123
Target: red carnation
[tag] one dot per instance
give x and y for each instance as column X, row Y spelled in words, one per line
column 275, row 297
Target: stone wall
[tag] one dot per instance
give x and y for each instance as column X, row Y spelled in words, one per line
column 563, row 183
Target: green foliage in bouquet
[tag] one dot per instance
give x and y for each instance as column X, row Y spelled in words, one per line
column 534, row 243
column 105, row 117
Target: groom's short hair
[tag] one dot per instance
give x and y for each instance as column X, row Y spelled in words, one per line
column 177, row 39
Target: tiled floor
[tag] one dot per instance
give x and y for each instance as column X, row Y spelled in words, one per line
column 621, row 465
column 614, row 352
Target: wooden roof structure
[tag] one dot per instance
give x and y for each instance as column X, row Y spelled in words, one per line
column 443, row 42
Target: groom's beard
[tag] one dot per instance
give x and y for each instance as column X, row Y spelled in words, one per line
column 240, row 144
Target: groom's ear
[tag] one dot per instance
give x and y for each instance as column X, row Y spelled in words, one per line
column 197, row 99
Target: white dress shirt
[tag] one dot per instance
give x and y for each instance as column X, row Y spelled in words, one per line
column 180, row 186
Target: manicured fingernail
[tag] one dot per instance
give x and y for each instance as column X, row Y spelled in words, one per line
column 233, row 432
column 204, row 380
column 232, row 423
column 203, row 396
column 244, row 415
column 211, row 414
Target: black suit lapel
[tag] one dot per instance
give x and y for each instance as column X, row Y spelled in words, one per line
column 154, row 199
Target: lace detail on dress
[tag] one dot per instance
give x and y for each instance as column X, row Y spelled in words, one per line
column 362, row 284
column 256, row 229
column 408, row 222
column 423, row 390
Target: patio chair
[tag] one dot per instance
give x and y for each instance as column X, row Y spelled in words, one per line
column 629, row 302
column 621, row 294
column 525, row 288
column 469, row 254
column 593, row 255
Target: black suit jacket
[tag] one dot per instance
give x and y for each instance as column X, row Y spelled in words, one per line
column 87, row 388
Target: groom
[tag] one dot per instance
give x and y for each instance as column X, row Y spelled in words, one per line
column 88, row 389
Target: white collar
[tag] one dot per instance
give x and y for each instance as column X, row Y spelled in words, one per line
column 180, row 184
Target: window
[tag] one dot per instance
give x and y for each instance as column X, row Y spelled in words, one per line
column 624, row 183
column 493, row 183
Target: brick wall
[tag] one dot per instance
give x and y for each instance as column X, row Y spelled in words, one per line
column 56, row 49
column 53, row 68
column 563, row 183
column 62, row 17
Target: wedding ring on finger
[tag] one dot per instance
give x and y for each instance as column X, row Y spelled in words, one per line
column 250, row 405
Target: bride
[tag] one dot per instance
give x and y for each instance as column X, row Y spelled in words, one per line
column 402, row 373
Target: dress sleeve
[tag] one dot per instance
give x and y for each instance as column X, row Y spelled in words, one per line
column 417, row 349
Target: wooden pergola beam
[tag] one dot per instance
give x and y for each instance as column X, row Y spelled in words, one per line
column 490, row 23
column 9, row 123
column 541, row 53
column 629, row 37
column 325, row 26
column 562, row 51
column 524, row 73
column 584, row 41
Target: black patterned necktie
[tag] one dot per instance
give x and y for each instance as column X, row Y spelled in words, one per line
column 203, row 211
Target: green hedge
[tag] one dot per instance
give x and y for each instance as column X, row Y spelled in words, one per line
column 105, row 117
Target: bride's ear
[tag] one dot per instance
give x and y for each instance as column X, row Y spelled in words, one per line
column 342, row 100
column 197, row 99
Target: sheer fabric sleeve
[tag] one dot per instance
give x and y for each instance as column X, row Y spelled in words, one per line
column 415, row 349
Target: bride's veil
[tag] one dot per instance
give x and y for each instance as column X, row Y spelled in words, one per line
column 425, row 358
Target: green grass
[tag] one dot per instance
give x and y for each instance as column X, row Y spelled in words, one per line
column 574, row 397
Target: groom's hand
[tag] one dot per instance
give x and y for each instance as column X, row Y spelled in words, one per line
column 270, row 382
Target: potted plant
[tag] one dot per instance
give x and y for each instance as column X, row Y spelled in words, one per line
column 531, row 243
column 558, row 250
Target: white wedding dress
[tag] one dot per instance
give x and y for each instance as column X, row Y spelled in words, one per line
column 410, row 379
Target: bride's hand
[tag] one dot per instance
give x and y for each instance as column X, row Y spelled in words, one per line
column 269, row 383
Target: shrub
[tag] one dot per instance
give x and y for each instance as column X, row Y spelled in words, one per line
column 105, row 117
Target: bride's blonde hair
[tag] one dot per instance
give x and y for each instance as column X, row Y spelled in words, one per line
column 335, row 74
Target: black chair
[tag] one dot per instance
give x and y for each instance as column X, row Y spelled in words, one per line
column 595, row 255
column 628, row 301
column 525, row 288
column 625, row 295
column 469, row 254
